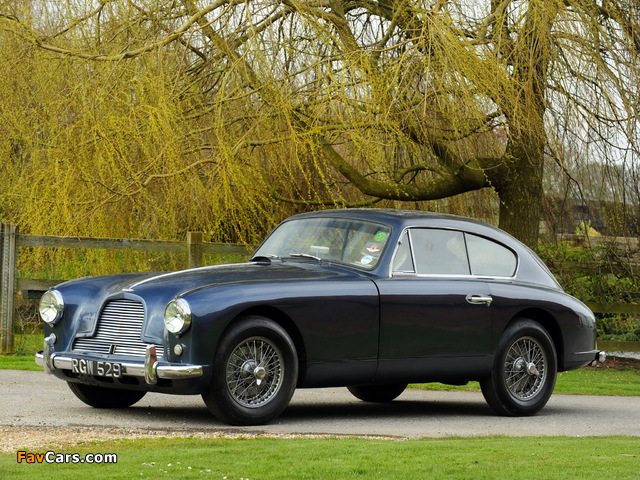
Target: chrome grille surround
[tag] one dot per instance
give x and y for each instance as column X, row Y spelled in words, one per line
column 118, row 333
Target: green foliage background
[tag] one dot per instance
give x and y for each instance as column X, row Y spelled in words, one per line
column 603, row 273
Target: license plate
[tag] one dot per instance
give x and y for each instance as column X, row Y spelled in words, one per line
column 96, row 367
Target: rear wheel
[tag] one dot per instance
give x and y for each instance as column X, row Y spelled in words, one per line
column 101, row 397
column 524, row 371
column 378, row 393
column 255, row 370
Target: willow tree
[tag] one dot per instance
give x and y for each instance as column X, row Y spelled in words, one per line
column 400, row 99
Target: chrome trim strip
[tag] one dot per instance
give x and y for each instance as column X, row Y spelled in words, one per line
column 135, row 285
column 444, row 276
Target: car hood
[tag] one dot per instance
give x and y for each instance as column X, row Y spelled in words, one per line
column 87, row 295
column 186, row 281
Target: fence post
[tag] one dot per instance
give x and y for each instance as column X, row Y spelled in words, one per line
column 8, row 265
column 194, row 249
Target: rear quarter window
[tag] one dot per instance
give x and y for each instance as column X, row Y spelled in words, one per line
column 489, row 258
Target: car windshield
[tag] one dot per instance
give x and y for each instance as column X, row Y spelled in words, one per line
column 344, row 240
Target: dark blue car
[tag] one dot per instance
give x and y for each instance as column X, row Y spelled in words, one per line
column 367, row 299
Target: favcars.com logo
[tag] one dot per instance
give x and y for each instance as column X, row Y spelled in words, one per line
column 53, row 457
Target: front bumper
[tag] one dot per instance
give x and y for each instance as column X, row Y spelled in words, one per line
column 150, row 369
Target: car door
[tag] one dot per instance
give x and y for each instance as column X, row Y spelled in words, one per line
column 435, row 315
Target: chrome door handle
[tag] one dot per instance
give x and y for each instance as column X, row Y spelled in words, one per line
column 479, row 299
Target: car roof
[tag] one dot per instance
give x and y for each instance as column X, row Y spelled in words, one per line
column 407, row 218
column 379, row 212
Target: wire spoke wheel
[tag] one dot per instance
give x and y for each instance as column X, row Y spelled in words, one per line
column 525, row 368
column 254, row 372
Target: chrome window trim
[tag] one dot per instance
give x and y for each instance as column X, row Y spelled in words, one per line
column 394, row 274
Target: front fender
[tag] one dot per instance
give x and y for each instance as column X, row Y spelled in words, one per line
column 338, row 321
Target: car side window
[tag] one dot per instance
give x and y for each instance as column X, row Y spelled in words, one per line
column 439, row 252
column 489, row 258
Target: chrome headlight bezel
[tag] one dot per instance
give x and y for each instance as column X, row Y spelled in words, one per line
column 51, row 307
column 177, row 316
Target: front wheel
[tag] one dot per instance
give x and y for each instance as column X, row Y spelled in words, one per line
column 255, row 371
column 101, row 397
column 524, row 371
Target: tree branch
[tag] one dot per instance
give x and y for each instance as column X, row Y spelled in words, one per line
column 195, row 18
column 327, row 203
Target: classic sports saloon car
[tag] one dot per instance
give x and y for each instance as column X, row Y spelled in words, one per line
column 367, row 299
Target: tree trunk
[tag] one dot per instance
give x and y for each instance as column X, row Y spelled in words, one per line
column 520, row 185
column 520, row 192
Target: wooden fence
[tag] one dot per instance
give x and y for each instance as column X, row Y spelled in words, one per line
column 193, row 248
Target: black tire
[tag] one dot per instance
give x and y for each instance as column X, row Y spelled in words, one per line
column 101, row 397
column 255, row 371
column 524, row 371
column 378, row 393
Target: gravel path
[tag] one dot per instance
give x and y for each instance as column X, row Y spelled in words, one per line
column 40, row 439
column 38, row 411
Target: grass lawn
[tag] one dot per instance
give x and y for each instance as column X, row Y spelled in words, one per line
column 619, row 379
column 347, row 458
column 25, row 346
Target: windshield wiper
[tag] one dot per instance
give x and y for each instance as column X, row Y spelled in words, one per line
column 305, row 255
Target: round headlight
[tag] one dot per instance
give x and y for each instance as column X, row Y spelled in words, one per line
column 177, row 316
column 51, row 307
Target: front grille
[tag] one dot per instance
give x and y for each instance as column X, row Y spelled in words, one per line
column 118, row 333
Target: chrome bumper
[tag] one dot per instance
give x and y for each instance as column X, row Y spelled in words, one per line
column 150, row 369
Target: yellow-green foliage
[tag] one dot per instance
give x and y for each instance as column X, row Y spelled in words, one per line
column 137, row 118
column 165, row 143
